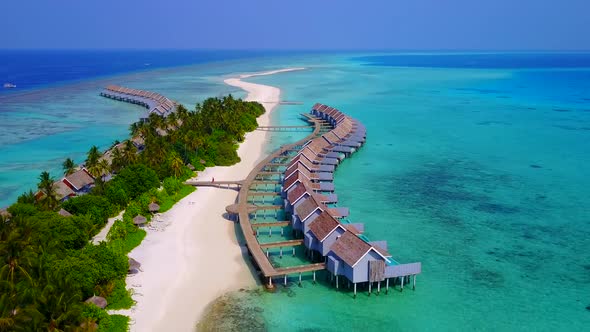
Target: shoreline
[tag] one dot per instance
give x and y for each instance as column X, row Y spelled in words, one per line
column 192, row 255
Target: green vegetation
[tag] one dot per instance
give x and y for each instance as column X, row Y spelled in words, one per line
column 119, row 297
column 48, row 267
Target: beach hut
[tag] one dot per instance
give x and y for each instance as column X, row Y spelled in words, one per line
column 134, row 265
column 80, row 181
column 64, row 213
column 153, row 207
column 98, row 301
column 139, row 220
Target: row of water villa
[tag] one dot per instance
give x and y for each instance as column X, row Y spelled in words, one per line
column 153, row 101
column 293, row 227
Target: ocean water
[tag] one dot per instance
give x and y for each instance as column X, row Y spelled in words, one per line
column 475, row 165
column 56, row 111
column 478, row 169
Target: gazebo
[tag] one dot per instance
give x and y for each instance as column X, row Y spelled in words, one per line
column 153, row 207
column 139, row 220
column 98, row 301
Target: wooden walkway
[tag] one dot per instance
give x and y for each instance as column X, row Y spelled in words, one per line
column 288, row 243
column 217, row 184
column 285, row 128
column 256, row 248
column 271, row 224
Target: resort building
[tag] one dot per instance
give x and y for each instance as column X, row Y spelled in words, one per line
column 79, row 182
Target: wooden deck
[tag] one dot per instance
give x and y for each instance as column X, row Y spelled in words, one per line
column 271, row 224
column 301, row 268
column 288, row 243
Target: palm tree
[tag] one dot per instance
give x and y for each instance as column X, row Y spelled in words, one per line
column 118, row 161
column 93, row 156
column 69, row 166
column 45, row 185
column 130, row 153
column 176, row 165
column 104, row 167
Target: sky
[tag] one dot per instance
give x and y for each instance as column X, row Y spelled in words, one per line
column 297, row 24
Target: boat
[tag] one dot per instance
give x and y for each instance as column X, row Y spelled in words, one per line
column 9, row 86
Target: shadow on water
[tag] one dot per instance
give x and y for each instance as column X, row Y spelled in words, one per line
column 234, row 312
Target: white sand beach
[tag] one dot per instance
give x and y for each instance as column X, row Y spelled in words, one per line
column 192, row 256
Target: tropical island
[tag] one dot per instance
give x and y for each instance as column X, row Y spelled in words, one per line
column 50, row 264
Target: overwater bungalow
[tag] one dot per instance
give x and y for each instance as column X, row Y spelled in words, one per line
column 314, row 177
column 300, row 159
column 298, row 178
column 155, row 102
column 357, row 260
column 302, row 191
column 323, row 233
column 305, row 212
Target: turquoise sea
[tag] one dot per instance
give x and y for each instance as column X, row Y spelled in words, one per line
column 475, row 165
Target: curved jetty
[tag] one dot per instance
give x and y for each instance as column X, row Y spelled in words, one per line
column 154, row 102
column 288, row 202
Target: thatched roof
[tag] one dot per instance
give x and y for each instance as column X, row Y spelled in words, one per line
column 153, row 207
column 133, row 264
column 80, row 179
column 62, row 190
column 98, row 301
column 64, row 213
column 4, row 213
column 139, row 220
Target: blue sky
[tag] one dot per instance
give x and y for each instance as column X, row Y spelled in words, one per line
column 297, row 24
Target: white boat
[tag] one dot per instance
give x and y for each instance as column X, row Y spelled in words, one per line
column 9, row 86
